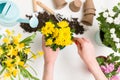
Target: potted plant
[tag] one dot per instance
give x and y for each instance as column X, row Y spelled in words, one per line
column 14, row 55
column 109, row 24
column 110, row 66
column 57, row 34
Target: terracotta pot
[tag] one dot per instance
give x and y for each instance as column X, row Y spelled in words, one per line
column 75, row 5
column 89, row 11
column 88, row 19
column 58, row 4
column 89, row 4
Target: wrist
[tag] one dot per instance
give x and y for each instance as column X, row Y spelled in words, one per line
column 49, row 64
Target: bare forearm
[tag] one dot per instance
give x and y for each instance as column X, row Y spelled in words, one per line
column 48, row 72
column 96, row 70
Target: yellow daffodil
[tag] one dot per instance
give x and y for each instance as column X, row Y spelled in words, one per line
column 34, row 56
column 17, row 60
column 1, row 51
column 40, row 53
column 27, row 51
column 8, row 62
column 21, row 63
column 7, row 76
column 6, row 40
column 14, row 54
column 15, row 72
column 16, row 39
column 20, row 46
column 8, row 32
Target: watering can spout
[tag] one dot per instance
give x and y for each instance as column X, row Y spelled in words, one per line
column 33, row 22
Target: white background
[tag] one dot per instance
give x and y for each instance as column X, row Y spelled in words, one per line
column 68, row 66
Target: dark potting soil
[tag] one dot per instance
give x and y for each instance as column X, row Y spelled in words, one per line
column 102, row 37
column 44, row 17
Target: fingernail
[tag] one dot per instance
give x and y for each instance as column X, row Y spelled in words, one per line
column 76, row 42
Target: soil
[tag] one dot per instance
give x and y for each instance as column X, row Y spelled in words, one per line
column 44, row 17
column 101, row 35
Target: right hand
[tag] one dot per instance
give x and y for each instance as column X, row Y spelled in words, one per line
column 85, row 49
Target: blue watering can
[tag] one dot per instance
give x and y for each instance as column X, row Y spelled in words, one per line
column 10, row 15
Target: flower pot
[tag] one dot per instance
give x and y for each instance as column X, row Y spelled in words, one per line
column 75, row 5
column 59, row 3
column 89, row 4
column 88, row 19
column 98, row 38
column 104, row 57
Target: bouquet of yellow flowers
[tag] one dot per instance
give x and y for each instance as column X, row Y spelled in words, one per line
column 57, row 35
column 14, row 56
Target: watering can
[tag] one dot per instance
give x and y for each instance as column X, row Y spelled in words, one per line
column 10, row 15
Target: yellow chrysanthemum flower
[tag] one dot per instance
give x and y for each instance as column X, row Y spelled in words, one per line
column 63, row 24
column 48, row 28
column 49, row 42
column 56, row 32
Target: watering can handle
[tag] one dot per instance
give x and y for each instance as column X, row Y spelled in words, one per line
column 6, row 8
column 23, row 20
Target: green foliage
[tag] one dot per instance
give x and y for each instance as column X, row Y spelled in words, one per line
column 110, row 59
column 29, row 39
column 105, row 28
column 27, row 74
column 0, row 36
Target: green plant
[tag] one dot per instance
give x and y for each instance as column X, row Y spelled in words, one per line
column 110, row 65
column 57, row 35
column 14, row 55
column 109, row 24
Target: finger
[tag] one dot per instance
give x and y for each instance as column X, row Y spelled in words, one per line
column 75, row 39
column 43, row 41
column 85, row 39
column 79, row 46
column 80, row 41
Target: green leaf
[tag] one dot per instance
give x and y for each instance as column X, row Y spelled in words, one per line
column 101, row 61
column 115, row 9
column 29, row 39
column 33, row 69
column 27, row 73
column 0, row 36
column 11, row 78
column 2, row 70
column 118, row 4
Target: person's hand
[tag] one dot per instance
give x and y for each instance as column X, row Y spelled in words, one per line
column 85, row 49
column 50, row 56
column 87, row 53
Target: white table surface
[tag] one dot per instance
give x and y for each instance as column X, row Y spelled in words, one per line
column 68, row 66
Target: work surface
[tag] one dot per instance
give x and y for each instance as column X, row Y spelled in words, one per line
column 68, row 66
